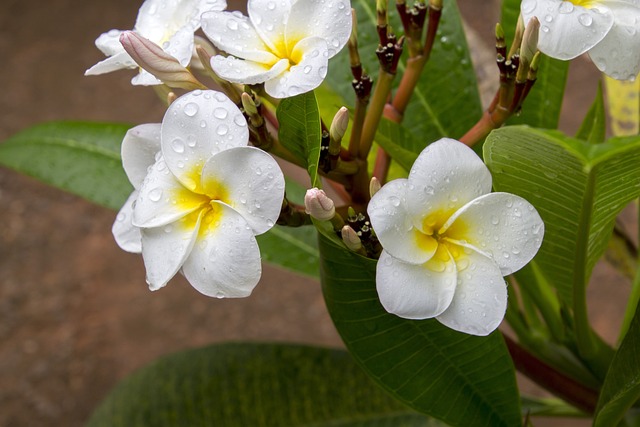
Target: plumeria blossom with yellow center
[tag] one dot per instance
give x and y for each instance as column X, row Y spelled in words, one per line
column 200, row 197
column 170, row 24
column 285, row 44
column 448, row 241
column 608, row 29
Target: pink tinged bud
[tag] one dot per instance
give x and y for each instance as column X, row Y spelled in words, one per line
column 351, row 239
column 319, row 205
column 156, row 61
column 529, row 45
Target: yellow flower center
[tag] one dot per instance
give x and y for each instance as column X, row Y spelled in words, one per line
column 435, row 238
column 588, row 4
column 285, row 49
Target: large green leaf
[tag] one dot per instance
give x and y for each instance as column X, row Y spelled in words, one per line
column 461, row 379
column 577, row 188
column 295, row 249
column 446, row 101
column 401, row 144
column 621, row 387
column 544, row 102
column 594, row 127
column 82, row 158
column 257, row 385
column 300, row 130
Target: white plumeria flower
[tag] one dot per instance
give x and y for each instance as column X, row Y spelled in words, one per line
column 448, row 241
column 200, row 200
column 168, row 23
column 608, row 29
column 285, row 44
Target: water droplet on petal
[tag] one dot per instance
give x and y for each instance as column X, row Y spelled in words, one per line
column 495, row 220
column 566, row 7
column 220, row 113
column 121, row 217
column 232, row 24
column 394, row 201
column 528, row 6
column 219, row 295
column 191, row 109
column 155, row 194
column 585, row 19
column 177, row 145
column 271, row 5
column 222, row 129
column 307, row 69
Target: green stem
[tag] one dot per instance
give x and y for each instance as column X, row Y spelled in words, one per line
column 374, row 113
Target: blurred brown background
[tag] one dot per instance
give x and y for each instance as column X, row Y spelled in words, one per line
column 75, row 313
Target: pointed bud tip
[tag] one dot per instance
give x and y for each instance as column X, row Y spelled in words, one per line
column 374, row 186
column 350, row 238
column 319, row 205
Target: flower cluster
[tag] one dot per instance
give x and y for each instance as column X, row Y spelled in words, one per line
column 201, row 195
column 608, row 29
column 448, row 241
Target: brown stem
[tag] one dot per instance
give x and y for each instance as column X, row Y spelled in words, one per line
column 548, row 378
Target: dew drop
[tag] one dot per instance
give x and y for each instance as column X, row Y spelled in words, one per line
column 121, row 217
column 495, row 220
column 307, row 69
column 219, row 295
column 258, row 171
column 394, row 201
column 429, row 190
column 220, row 113
column 203, row 124
column 271, row 5
column 528, row 6
column 566, row 7
column 322, row 72
column 155, row 194
column 222, row 129
column 232, row 24
column 515, row 250
column 177, row 145
column 191, row 141
column 585, row 19
column 544, row 29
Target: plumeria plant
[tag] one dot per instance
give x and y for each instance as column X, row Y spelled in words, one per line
column 454, row 246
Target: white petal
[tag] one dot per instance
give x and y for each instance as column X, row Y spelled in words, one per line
column 618, row 54
column 163, row 199
column 225, row 261
column 480, row 300
column 126, row 234
column 328, row 20
column 246, row 72
column 567, row 30
column 269, row 18
column 164, row 249
column 445, row 176
column 145, row 78
column 252, row 183
column 414, row 291
column 140, row 147
column 159, row 20
column 180, row 46
column 502, row 226
column 109, row 42
column 310, row 71
column 119, row 61
column 236, row 35
column 196, row 126
column 394, row 227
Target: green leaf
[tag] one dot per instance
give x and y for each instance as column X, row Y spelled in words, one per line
column 577, row 188
column 300, row 130
column 257, row 385
column 82, row 158
column 401, row 145
column 594, row 127
column 295, row 249
column 445, row 101
column 544, row 102
column 621, row 387
column 461, row 379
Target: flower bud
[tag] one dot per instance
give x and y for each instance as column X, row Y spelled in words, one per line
column 339, row 125
column 351, row 239
column 156, row 61
column 529, row 45
column 374, row 186
column 319, row 205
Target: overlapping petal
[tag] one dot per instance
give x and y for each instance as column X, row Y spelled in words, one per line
column 196, row 126
column 269, row 17
column 618, row 54
column 118, row 61
column 330, row 21
column 127, row 235
column 307, row 74
column 165, row 248
column 235, row 34
column 109, row 42
column 414, row 291
column 225, row 261
column 247, row 72
column 567, row 30
column 163, row 199
column 445, row 176
column 480, row 298
column 139, row 150
column 503, row 226
column 252, row 183
column 394, row 226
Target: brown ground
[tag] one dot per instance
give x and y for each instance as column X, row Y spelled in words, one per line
column 75, row 313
